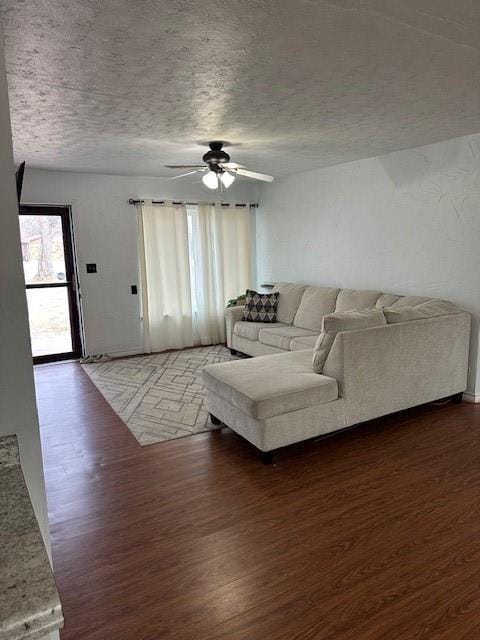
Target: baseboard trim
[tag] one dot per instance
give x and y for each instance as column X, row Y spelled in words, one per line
column 470, row 397
column 124, row 354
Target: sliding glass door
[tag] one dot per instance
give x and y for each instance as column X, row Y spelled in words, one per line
column 51, row 282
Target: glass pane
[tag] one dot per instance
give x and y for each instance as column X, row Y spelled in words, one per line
column 49, row 316
column 42, row 249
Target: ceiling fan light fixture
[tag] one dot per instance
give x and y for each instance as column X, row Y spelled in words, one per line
column 220, row 172
column 227, row 179
column 210, row 180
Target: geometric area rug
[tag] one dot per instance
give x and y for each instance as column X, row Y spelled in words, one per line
column 159, row 396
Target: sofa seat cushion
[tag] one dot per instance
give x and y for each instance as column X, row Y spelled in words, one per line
column 316, row 302
column 282, row 336
column 349, row 299
column 250, row 330
column 304, row 342
column 270, row 385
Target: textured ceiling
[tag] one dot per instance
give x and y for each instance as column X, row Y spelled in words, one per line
column 119, row 86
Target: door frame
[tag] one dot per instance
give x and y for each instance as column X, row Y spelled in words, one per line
column 71, row 282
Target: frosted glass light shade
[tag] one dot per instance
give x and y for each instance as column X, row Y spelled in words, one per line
column 210, row 180
column 227, row 179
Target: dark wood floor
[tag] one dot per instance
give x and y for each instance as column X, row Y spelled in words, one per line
column 373, row 534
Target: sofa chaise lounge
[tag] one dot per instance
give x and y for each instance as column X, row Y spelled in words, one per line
column 335, row 358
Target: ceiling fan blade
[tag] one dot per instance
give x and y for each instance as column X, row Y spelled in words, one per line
column 184, row 166
column 256, row 176
column 231, row 165
column 186, row 174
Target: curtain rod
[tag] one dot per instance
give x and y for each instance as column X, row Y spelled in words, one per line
column 223, row 204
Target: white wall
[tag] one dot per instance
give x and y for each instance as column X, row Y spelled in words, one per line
column 18, row 413
column 406, row 222
column 106, row 233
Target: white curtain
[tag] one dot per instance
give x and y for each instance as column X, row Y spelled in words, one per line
column 165, row 277
column 220, row 265
column 192, row 260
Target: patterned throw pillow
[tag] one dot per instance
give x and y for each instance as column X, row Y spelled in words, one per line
column 260, row 307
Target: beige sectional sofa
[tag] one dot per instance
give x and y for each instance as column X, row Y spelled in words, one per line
column 419, row 353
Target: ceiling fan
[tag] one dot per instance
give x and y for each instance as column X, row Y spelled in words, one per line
column 219, row 170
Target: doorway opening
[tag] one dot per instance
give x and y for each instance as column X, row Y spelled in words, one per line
column 51, row 282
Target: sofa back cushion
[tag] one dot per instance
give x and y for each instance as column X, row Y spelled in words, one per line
column 429, row 309
column 349, row 299
column 288, row 300
column 410, row 301
column 386, row 300
column 316, row 302
column 343, row 321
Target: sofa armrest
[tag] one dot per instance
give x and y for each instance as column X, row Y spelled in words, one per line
column 232, row 316
column 385, row 369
